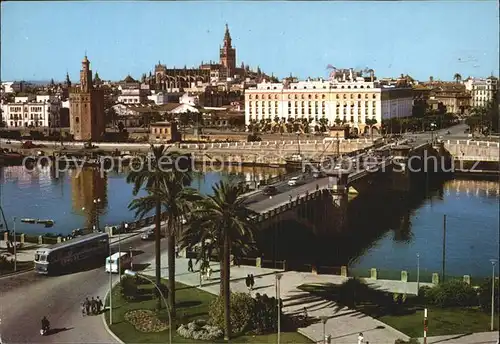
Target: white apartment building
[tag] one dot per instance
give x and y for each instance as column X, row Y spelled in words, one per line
column 133, row 96
column 350, row 99
column 482, row 90
column 31, row 111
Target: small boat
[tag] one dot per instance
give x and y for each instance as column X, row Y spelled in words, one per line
column 47, row 223
column 28, row 220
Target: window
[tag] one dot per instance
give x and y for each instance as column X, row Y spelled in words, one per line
column 77, row 120
column 374, row 96
column 309, row 96
column 257, row 96
column 359, row 96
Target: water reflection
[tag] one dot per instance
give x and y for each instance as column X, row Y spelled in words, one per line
column 89, row 194
column 68, row 198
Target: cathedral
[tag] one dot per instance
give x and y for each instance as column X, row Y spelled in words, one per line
column 167, row 78
column 86, row 101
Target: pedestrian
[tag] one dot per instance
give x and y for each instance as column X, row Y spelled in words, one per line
column 87, row 306
column 190, row 265
column 83, row 310
column 290, row 198
column 99, row 305
column 252, row 281
column 361, row 339
column 209, row 272
column 247, row 282
column 176, row 251
column 93, row 305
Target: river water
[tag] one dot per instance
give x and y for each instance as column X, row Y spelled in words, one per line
column 386, row 234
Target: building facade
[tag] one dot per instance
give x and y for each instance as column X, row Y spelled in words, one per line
column 32, row 111
column 482, row 91
column 349, row 99
column 87, row 121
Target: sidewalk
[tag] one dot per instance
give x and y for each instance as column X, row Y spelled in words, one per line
column 471, row 338
column 343, row 326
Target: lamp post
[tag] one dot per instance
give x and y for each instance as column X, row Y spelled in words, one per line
column 278, row 303
column 132, row 273
column 15, row 248
column 493, row 262
column 324, row 319
column 418, row 272
column 433, row 126
column 131, row 257
column 97, row 201
column 110, row 289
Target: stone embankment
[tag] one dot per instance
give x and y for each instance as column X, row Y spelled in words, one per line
column 258, row 153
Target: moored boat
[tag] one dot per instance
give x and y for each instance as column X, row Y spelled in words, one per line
column 28, row 220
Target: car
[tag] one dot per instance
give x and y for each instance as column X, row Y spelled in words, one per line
column 294, row 181
column 149, row 235
column 270, row 190
column 319, row 174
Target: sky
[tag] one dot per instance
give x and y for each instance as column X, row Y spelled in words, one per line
column 44, row 40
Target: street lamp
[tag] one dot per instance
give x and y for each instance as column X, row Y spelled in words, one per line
column 278, row 300
column 133, row 273
column 96, row 202
column 493, row 262
column 433, row 126
column 324, row 319
column 418, row 272
column 110, row 288
column 15, row 247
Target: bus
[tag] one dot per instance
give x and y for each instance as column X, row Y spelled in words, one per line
column 118, row 259
column 72, row 254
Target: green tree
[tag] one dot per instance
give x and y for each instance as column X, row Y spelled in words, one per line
column 224, row 219
column 370, row 122
column 457, row 77
column 159, row 180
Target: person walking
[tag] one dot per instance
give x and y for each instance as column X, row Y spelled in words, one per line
column 252, row 281
column 93, row 306
column 87, row 306
column 99, row 305
column 190, row 265
column 247, row 282
column 290, row 198
column 176, row 251
column 361, row 339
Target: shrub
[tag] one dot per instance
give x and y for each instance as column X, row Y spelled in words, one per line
column 411, row 341
column 6, row 264
column 241, row 306
column 485, row 295
column 200, row 330
column 452, row 293
column 128, row 287
column 145, row 320
column 265, row 314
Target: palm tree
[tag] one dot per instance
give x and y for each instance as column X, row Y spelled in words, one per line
column 370, row 123
column 224, row 219
column 156, row 179
column 457, row 77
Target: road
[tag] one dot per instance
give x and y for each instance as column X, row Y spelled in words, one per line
column 27, row 297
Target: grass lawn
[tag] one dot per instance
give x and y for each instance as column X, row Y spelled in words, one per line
column 192, row 304
column 408, row 317
column 441, row 322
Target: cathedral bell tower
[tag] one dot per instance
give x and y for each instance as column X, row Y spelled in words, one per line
column 85, row 76
column 228, row 55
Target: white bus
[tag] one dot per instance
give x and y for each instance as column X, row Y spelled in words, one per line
column 118, row 259
column 72, row 254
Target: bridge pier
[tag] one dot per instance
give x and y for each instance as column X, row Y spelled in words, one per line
column 339, row 200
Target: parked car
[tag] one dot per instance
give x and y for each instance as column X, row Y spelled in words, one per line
column 270, row 190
